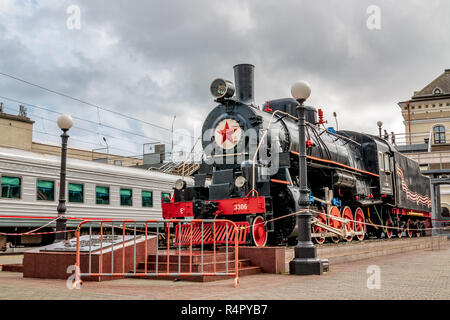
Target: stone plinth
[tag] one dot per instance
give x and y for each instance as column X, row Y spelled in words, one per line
column 45, row 263
column 270, row 259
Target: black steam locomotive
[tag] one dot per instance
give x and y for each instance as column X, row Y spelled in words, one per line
column 359, row 184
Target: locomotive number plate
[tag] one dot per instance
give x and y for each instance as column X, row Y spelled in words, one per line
column 240, row 206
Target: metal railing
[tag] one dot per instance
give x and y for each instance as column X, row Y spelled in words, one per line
column 150, row 249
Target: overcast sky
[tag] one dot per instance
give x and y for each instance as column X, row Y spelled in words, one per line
column 152, row 60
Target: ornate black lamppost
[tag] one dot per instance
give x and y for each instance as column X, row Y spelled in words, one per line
column 305, row 261
column 64, row 123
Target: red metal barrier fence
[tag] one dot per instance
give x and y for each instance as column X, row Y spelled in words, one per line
column 170, row 248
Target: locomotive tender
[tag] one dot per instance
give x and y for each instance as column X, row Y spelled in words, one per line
column 251, row 159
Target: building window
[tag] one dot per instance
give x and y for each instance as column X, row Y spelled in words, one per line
column 147, row 199
column 76, row 193
column 165, row 197
column 437, row 91
column 419, row 107
column 118, row 162
column 102, row 195
column 126, row 197
column 11, row 187
column 45, row 190
column 439, row 134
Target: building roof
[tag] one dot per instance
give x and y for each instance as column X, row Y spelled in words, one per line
column 15, row 118
column 438, row 87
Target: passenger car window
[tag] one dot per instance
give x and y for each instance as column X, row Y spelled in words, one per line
column 102, row 195
column 45, row 190
column 11, row 187
column 76, row 193
column 165, row 197
column 126, row 197
column 147, row 198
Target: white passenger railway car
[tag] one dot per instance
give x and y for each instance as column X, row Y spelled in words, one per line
column 30, row 191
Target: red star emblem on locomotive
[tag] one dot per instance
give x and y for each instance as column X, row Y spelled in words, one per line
column 227, row 133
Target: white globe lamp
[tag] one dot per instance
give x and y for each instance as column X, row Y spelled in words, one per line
column 65, row 122
column 301, row 90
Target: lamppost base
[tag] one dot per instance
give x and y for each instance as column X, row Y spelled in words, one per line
column 308, row 266
column 306, row 261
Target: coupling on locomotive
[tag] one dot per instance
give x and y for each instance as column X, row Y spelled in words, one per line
column 359, row 185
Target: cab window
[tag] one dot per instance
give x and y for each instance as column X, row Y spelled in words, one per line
column 380, row 161
column 387, row 162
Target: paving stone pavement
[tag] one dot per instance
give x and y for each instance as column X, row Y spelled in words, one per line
column 420, row 274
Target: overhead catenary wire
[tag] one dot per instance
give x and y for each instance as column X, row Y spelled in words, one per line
column 82, row 119
column 84, row 102
column 130, row 154
column 78, row 128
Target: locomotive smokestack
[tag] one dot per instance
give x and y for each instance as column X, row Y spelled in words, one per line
column 244, row 80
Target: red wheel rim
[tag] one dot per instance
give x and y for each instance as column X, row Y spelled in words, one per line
column 259, row 232
column 389, row 230
column 359, row 224
column 347, row 214
column 317, row 229
column 408, row 230
column 334, row 211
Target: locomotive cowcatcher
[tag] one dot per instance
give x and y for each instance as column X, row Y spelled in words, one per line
column 359, row 185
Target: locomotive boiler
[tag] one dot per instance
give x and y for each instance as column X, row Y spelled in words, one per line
column 359, row 185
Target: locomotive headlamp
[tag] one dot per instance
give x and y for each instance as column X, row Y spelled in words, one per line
column 301, row 90
column 240, row 181
column 221, row 88
column 180, row 184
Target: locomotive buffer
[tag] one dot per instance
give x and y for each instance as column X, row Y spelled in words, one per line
column 305, row 261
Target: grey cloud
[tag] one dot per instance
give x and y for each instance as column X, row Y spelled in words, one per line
column 124, row 50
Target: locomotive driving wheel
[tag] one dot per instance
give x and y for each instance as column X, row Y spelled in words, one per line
column 334, row 211
column 347, row 214
column 360, row 225
column 316, row 229
column 388, row 229
column 259, row 232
